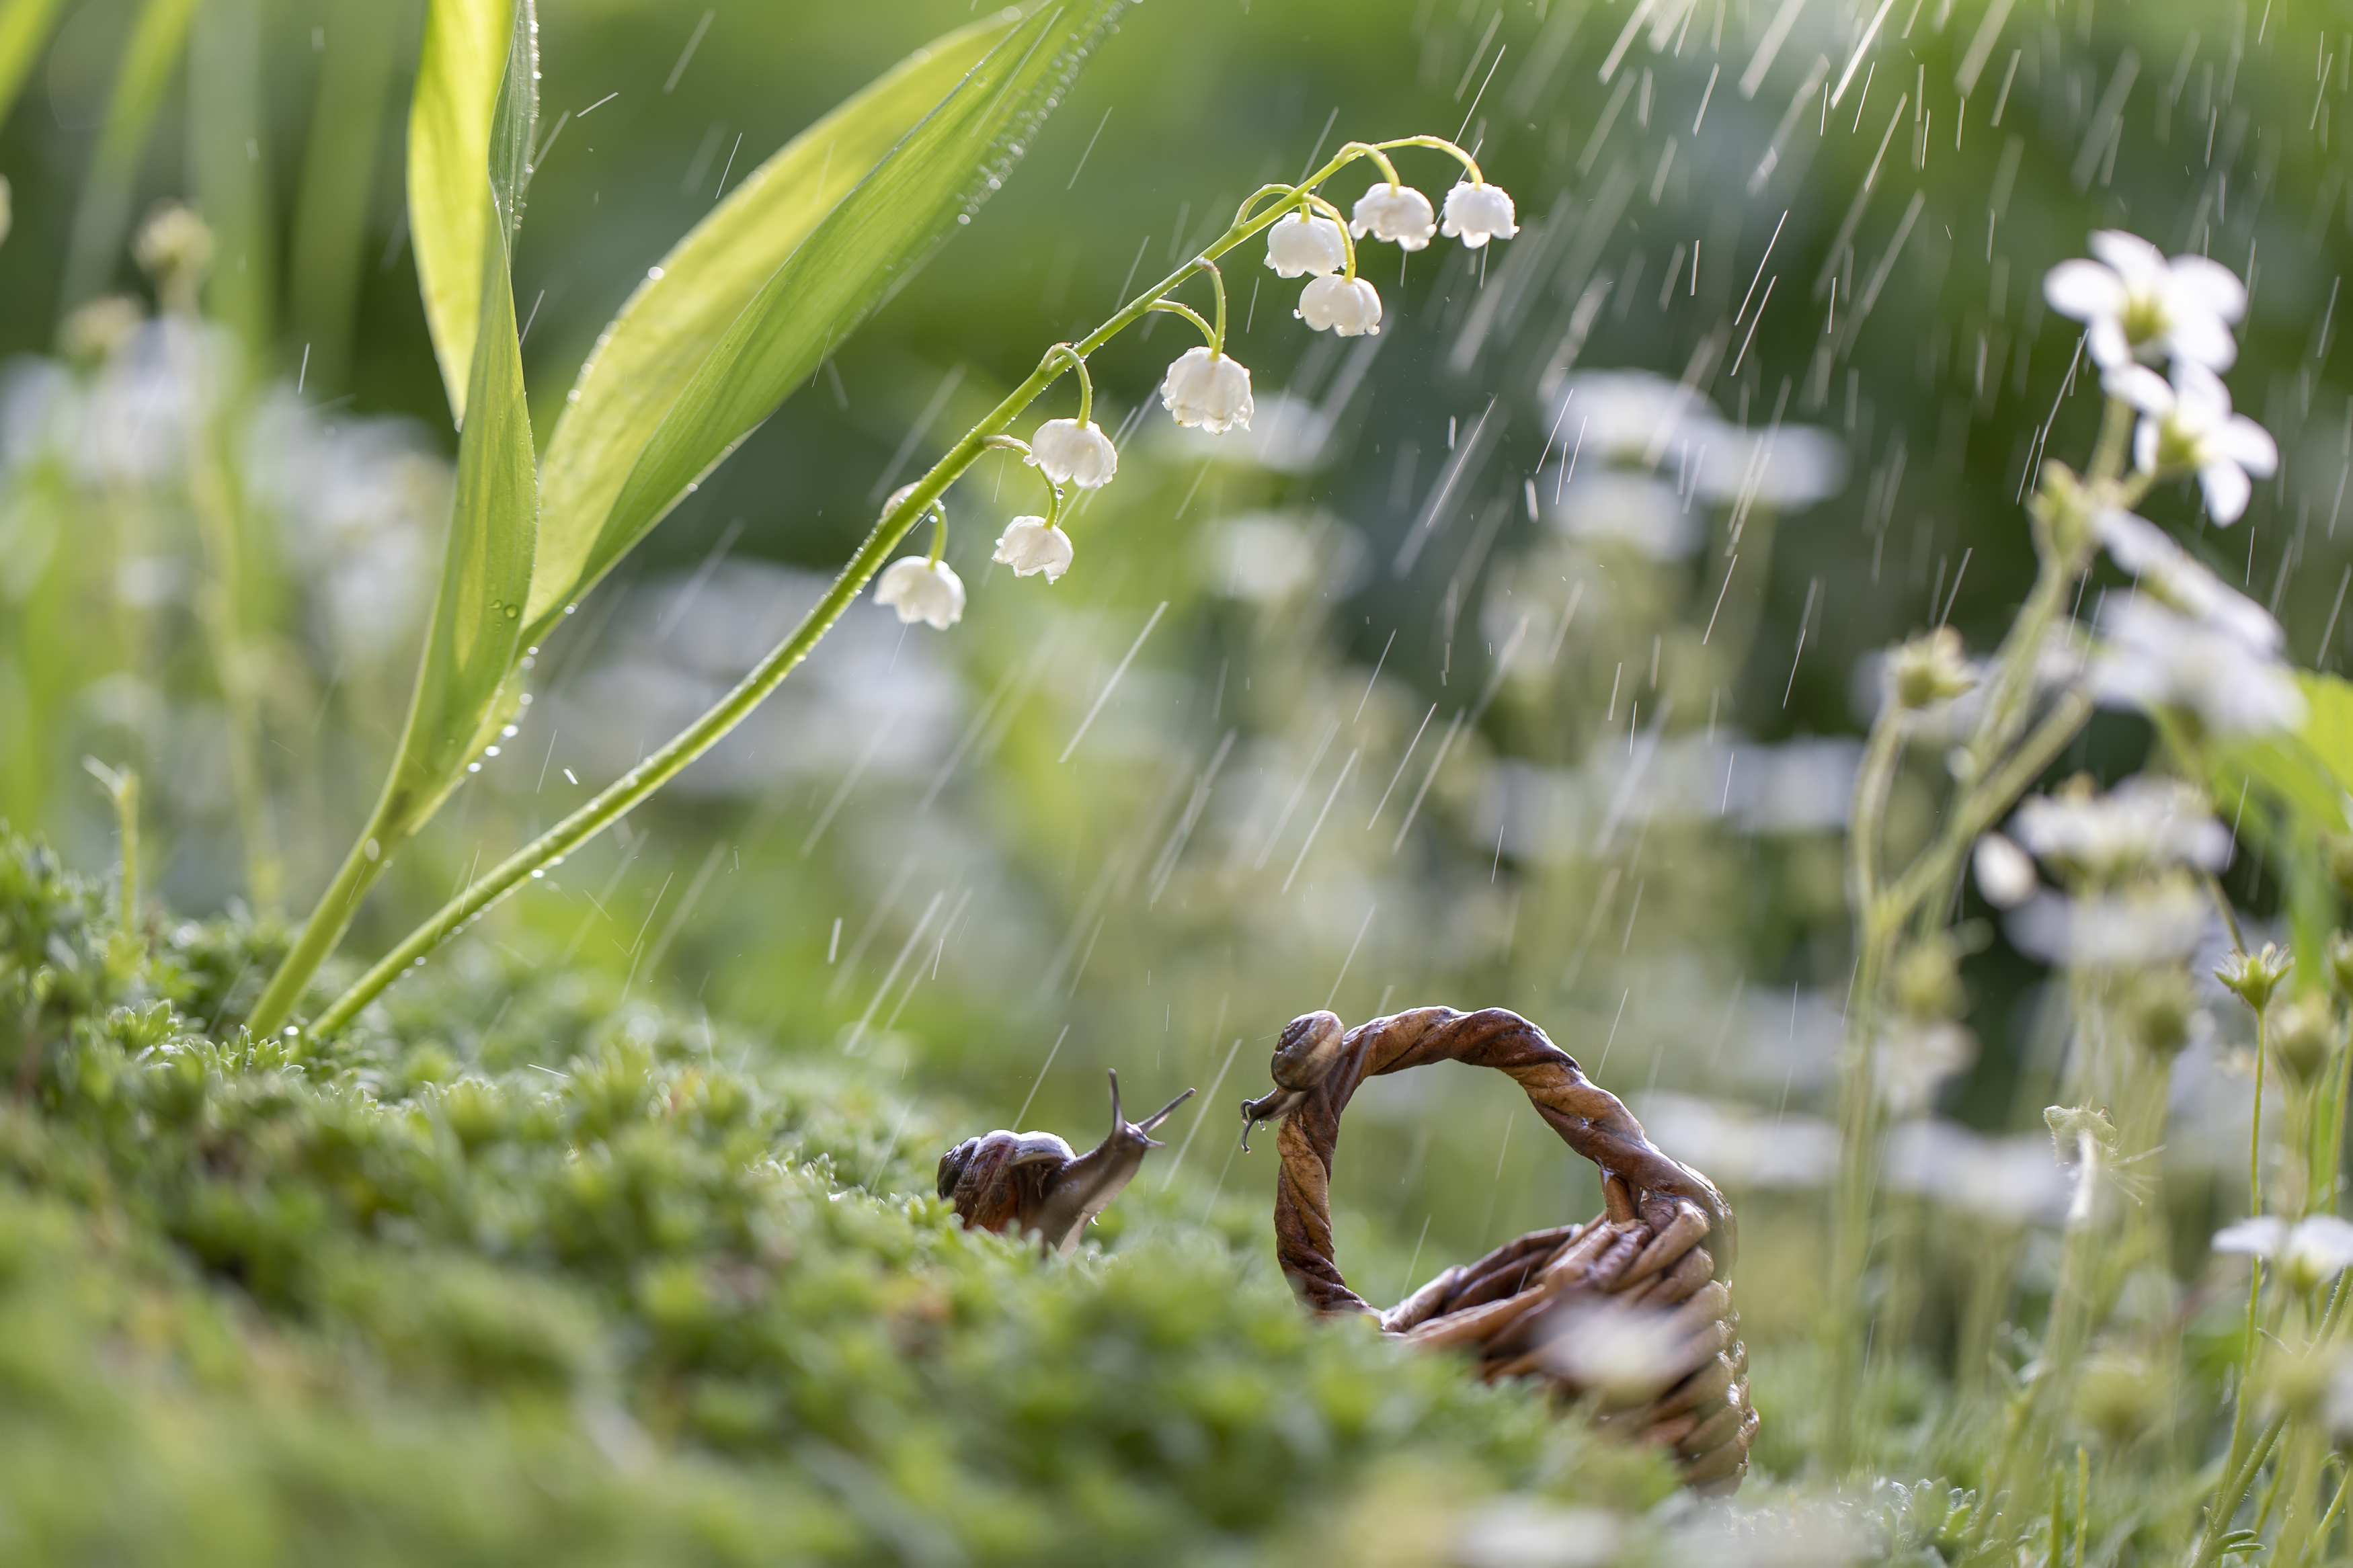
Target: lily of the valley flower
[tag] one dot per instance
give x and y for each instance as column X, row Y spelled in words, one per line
column 1478, row 212
column 1346, row 305
column 922, row 590
column 2139, row 305
column 1299, row 242
column 1070, row 453
column 2187, row 424
column 1210, row 390
column 1399, row 214
column 2168, row 573
column 1030, row 545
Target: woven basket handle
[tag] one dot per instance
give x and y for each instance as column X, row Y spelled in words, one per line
column 1318, row 1068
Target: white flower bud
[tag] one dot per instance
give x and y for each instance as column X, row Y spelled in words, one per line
column 1478, row 212
column 1212, row 391
column 1070, row 453
column 1299, row 243
column 2005, row 876
column 1030, row 545
column 1397, row 213
column 922, row 590
column 1347, row 306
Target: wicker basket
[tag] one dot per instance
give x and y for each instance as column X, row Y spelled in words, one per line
column 1629, row 1311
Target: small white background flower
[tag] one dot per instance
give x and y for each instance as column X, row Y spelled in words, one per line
column 2137, row 304
column 2318, row 1247
column 922, row 590
column 2144, row 823
column 1070, row 453
column 2168, row 573
column 2155, row 656
column 2186, row 423
column 1030, row 545
column 1212, row 391
column 2005, row 875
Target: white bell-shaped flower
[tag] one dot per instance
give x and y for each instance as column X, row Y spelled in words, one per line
column 1399, row 214
column 1030, row 545
column 922, row 590
column 1347, row 306
column 1477, row 211
column 1301, row 243
column 1070, row 453
column 1210, row 390
column 2186, row 423
column 2139, row 305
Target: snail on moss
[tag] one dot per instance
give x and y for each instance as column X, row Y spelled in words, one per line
column 1033, row 1183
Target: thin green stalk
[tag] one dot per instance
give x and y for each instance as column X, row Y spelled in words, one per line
column 2074, row 1314
column 122, row 788
column 2256, row 1125
column 218, row 610
column 2321, row 1532
column 2003, row 767
column 625, row 794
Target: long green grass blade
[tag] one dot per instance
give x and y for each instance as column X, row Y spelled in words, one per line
column 469, row 647
column 864, row 248
column 339, row 167
column 679, row 312
column 157, row 41
column 469, row 650
column 229, row 169
column 449, row 133
column 24, row 27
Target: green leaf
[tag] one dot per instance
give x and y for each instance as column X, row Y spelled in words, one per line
column 157, row 40
column 682, row 308
column 24, row 27
column 450, row 129
column 2327, row 729
column 753, row 301
column 469, row 648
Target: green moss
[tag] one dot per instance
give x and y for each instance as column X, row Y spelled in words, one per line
column 522, row 1271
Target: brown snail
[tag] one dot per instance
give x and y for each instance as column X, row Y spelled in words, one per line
column 1026, row 1182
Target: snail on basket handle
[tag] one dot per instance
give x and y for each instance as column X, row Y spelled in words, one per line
column 1630, row 1310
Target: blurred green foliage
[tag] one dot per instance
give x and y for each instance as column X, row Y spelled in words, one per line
column 917, row 879
column 570, row 1284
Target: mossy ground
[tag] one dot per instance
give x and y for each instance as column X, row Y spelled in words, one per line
column 528, row 1270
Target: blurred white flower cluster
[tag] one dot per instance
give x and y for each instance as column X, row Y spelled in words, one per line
column 127, row 418
column 1638, row 452
column 360, row 505
column 2186, row 641
column 863, row 702
column 2122, row 857
column 356, row 502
